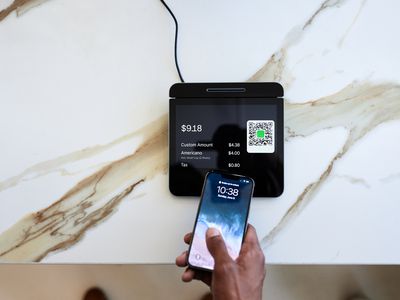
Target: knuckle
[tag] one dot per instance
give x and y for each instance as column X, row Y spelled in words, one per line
column 261, row 256
column 257, row 255
column 224, row 268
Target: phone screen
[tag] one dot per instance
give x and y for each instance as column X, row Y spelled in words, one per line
column 224, row 205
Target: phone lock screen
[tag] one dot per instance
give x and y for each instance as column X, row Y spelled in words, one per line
column 224, row 205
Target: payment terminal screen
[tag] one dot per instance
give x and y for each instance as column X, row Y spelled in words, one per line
column 243, row 136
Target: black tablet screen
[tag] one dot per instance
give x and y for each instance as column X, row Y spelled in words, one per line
column 238, row 135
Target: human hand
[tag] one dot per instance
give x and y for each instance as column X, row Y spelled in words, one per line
column 231, row 279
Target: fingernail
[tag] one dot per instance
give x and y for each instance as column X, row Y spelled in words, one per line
column 211, row 232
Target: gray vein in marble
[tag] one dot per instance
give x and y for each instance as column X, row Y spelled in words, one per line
column 335, row 256
column 390, row 178
column 362, row 5
column 354, row 180
column 326, row 4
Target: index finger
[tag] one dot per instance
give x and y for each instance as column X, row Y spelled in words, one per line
column 188, row 238
column 251, row 238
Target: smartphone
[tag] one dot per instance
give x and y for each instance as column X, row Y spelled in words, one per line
column 224, row 205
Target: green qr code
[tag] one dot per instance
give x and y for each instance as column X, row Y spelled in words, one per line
column 260, row 136
column 260, row 133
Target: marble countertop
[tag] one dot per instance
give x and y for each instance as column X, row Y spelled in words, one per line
column 83, row 125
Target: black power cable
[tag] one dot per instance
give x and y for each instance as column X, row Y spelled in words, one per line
column 176, row 39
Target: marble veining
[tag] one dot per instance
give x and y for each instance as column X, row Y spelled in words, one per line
column 275, row 68
column 91, row 201
column 354, row 180
column 358, row 107
column 20, row 7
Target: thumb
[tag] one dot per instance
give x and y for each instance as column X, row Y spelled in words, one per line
column 216, row 245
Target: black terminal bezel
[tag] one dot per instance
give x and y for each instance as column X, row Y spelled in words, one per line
column 185, row 183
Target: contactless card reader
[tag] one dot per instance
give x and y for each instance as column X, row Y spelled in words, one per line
column 232, row 127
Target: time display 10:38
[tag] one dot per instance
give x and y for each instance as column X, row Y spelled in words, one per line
column 228, row 191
